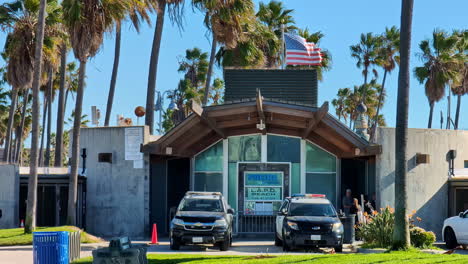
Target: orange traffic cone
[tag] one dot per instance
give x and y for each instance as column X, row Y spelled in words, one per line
column 154, row 235
column 22, row 223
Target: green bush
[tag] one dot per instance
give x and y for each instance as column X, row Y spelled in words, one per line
column 378, row 232
column 379, row 229
column 421, row 238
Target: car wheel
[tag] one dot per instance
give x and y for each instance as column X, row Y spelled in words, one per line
column 339, row 248
column 450, row 238
column 224, row 245
column 174, row 243
column 278, row 241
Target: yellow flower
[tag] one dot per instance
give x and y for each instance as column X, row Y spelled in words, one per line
column 375, row 212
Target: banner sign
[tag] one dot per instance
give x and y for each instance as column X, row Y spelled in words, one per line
column 263, row 193
column 263, row 179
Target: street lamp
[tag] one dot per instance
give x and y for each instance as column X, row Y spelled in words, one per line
column 159, row 106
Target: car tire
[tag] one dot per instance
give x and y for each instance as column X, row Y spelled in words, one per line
column 174, row 243
column 224, row 245
column 450, row 238
column 278, row 241
column 339, row 249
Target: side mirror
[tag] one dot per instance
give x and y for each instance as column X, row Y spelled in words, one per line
column 461, row 214
column 230, row 211
column 283, row 212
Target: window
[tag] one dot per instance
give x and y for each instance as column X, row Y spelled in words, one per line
column 283, row 149
column 105, row 157
column 245, row 148
column 320, row 172
column 208, row 181
column 466, row 164
column 208, row 173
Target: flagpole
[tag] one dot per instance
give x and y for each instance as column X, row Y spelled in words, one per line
column 283, row 56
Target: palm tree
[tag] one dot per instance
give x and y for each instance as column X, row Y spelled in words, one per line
column 460, row 86
column 388, row 58
column 253, row 48
column 366, row 54
column 61, row 104
column 30, row 224
column 138, row 11
column 459, row 89
column 20, row 27
column 401, row 236
column 279, row 20
column 176, row 16
column 340, row 103
column 326, row 63
column 441, row 66
column 86, row 22
column 225, row 20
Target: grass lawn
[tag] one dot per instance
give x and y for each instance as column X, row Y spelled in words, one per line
column 16, row 236
column 412, row 256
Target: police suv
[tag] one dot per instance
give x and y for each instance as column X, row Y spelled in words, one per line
column 202, row 218
column 308, row 220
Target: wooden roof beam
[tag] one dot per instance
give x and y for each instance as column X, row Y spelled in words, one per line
column 198, row 111
column 261, row 113
column 317, row 117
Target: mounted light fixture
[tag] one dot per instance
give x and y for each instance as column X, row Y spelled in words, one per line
column 261, row 125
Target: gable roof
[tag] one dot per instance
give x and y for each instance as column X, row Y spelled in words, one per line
column 207, row 125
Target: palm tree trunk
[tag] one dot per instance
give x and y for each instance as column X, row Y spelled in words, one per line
column 153, row 68
column 401, row 235
column 457, row 113
column 49, row 119
column 449, row 110
column 9, row 132
column 376, row 119
column 30, row 224
column 19, row 143
column 44, row 115
column 210, row 70
column 431, row 112
column 73, row 187
column 115, row 68
column 61, row 109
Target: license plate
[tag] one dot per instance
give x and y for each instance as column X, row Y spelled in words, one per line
column 197, row 239
column 315, row 237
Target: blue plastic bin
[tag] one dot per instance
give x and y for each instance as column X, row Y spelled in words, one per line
column 50, row 247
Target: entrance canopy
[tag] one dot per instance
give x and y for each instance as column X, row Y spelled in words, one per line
column 258, row 115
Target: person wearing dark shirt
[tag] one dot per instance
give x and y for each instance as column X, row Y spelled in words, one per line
column 347, row 202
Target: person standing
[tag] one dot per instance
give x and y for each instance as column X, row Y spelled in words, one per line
column 347, row 202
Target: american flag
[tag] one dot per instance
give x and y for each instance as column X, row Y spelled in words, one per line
column 301, row 52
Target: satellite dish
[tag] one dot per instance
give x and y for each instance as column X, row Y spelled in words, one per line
column 140, row 111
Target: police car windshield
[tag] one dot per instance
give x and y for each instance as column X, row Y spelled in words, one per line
column 205, row 205
column 311, row 209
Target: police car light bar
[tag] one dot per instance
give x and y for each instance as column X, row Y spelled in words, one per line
column 202, row 193
column 308, row 195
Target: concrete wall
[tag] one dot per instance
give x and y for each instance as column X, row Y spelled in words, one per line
column 427, row 183
column 9, row 196
column 117, row 193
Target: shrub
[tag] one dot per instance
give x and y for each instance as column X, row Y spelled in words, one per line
column 379, row 228
column 421, row 238
column 378, row 231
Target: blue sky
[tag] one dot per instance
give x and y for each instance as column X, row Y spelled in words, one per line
column 342, row 22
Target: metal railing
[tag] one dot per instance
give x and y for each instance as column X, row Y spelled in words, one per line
column 74, row 245
column 258, row 222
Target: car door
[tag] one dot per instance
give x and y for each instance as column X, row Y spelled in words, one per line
column 280, row 218
column 462, row 225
